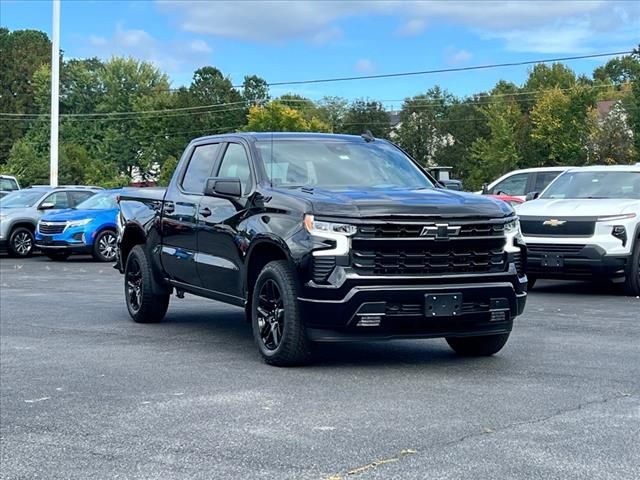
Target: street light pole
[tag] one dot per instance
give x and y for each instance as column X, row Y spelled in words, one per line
column 55, row 89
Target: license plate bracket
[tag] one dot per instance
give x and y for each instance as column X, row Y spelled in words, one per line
column 442, row 304
column 552, row 260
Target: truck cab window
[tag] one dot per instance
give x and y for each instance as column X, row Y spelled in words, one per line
column 200, row 168
column 235, row 164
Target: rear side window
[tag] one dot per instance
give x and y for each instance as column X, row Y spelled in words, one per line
column 8, row 184
column 79, row 197
column 514, row 185
column 543, row 179
column 200, row 168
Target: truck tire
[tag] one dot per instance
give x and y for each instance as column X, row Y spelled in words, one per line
column 144, row 306
column 104, row 246
column 278, row 329
column 56, row 256
column 21, row 242
column 481, row 346
column 632, row 282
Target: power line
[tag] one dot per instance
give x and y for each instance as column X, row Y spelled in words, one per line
column 444, row 70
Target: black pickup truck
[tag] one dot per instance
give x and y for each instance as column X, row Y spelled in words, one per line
column 324, row 238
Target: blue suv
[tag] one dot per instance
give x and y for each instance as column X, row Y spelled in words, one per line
column 89, row 228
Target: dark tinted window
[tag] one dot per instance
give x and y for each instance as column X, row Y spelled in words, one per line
column 79, row 197
column 235, row 164
column 514, row 185
column 543, row 179
column 200, row 168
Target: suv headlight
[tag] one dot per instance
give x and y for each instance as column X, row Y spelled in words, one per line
column 338, row 233
column 78, row 223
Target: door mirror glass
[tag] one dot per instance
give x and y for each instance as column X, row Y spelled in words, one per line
column 46, row 206
column 223, row 187
column 532, row 196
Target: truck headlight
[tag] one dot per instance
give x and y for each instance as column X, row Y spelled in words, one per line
column 319, row 227
column 610, row 218
column 78, row 223
column 512, row 227
column 338, row 233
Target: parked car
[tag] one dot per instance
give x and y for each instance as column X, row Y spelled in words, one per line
column 8, row 184
column 519, row 183
column 89, row 228
column 323, row 238
column 586, row 225
column 21, row 210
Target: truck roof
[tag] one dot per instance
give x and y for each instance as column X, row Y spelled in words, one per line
column 267, row 136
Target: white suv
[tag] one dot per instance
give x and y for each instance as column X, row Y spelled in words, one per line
column 586, row 225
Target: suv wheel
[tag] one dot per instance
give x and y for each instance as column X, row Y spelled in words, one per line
column 21, row 242
column 278, row 329
column 481, row 346
column 632, row 283
column 144, row 306
column 104, row 246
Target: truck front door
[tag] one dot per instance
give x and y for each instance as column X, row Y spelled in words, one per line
column 221, row 246
column 180, row 214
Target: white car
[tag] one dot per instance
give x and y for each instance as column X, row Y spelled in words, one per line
column 586, row 225
column 520, row 183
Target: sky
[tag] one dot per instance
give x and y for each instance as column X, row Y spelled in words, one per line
column 286, row 40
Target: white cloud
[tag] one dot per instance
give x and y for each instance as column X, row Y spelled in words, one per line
column 579, row 22
column 364, row 65
column 171, row 56
column 456, row 57
column 412, row 27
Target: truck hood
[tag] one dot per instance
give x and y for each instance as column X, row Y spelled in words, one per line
column 400, row 202
column 577, row 207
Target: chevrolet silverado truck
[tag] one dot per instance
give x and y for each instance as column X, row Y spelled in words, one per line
column 323, row 238
column 586, row 226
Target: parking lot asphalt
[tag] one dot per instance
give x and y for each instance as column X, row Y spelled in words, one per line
column 87, row 393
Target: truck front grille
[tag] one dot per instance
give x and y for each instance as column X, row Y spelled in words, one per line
column 435, row 258
column 51, row 228
column 571, row 228
column 398, row 248
column 535, row 249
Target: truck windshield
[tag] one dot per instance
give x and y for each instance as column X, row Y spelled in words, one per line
column 100, row 201
column 339, row 165
column 595, row 184
column 21, row 199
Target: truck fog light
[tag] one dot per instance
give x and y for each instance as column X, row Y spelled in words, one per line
column 499, row 316
column 369, row 321
column 620, row 232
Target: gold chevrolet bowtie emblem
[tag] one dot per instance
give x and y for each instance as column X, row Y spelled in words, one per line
column 554, row 222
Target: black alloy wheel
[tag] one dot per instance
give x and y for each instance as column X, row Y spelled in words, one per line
column 270, row 312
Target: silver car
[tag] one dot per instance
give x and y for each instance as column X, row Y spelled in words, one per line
column 21, row 210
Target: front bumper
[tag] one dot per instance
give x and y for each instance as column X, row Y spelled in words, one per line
column 387, row 307
column 50, row 244
column 574, row 262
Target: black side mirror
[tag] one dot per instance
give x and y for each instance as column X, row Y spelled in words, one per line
column 223, row 187
column 485, row 189
column 532, row 196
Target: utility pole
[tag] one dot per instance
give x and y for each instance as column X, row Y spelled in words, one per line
column 55, row 90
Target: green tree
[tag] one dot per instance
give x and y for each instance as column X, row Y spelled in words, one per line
column 559, row 125
column 610, row 140
column 22, row 52
column 364, row 115
column 619, row 70
column 255, row 90
column 498, row 153
column 420, row 132
column 276, row 117
column 542, row 77
column 333, row 110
